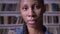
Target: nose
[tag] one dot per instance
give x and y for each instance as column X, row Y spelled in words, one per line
column 31, row 12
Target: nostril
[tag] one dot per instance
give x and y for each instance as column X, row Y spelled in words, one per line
column 31, row 15
column 34, row 16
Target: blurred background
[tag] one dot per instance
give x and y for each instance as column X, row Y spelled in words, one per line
column 10, row 16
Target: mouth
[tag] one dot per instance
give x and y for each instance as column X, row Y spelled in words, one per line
column 32, row 21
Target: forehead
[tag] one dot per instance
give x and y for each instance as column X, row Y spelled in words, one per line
column 31, row 2
column 28, row 1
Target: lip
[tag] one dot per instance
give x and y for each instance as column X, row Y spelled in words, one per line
column 32, row 21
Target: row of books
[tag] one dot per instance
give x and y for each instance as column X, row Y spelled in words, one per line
column 16, row 20
column 3, row 31
column 9, row 20
column 52, row 7
column 8, row 7
column 54, row 30
column 11, row 31
column 51, row 19
column 14, row 7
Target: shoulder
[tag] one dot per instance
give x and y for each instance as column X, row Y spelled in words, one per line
column 48, row 32
column 23, row 30
column 19, row 30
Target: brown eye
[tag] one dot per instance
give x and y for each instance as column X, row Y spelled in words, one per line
column 36, row 6
column 25, row 8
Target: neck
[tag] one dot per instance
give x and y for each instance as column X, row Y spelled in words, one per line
column 35, row 30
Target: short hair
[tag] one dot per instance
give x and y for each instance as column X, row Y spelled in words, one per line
column 41, row 2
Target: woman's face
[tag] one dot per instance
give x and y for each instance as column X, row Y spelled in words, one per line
column 31, row 12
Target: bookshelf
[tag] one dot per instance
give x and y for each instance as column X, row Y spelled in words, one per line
column 51, row 18
column 9, row 16
column 0, row 6
column 9, row 12
column 9, row 1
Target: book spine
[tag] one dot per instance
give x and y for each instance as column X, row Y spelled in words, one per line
column 12, row 20
column 47, row 7
column 54, row 7
column 59, row 7
column 0, row 6
column 1, row 20
column 5, row 20
column 3, row 7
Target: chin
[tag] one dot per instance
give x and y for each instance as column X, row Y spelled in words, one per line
column 31, row 25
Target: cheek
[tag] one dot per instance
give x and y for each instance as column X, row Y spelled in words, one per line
column 38, row 12
column 24, row 15
column 39, row 16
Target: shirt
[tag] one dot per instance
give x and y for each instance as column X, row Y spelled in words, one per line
column 25, row 31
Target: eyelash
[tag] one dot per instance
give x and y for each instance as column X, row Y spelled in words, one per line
column 33, row 7
column 25, row 8
column 36, row 6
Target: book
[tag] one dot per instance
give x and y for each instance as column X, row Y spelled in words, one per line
column 58, row 30
column 47, row 7
column 55, row 19
column 5, row 19
column 0, row 6
column 14, row 7
column 3, row 7
column 52, row 30
column 1, row 31
column 10, row 7
column 59, row 7
column 1, row 20
column 6, row 31
column 17, row 7
column 54, row 7
column 49, row 19
column 12, row 20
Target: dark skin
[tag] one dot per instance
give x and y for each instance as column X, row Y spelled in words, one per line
column 32, row 13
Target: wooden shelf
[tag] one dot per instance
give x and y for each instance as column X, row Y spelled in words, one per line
column 52, row 1
column 8, row 26
column 9, row 1
column 10, row 13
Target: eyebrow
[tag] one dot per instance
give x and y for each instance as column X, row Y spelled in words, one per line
column 24, row 6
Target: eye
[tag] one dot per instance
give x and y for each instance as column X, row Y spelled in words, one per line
column 36, row 6
column 25, row 8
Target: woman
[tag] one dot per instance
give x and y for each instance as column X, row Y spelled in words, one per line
column 32, row 14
